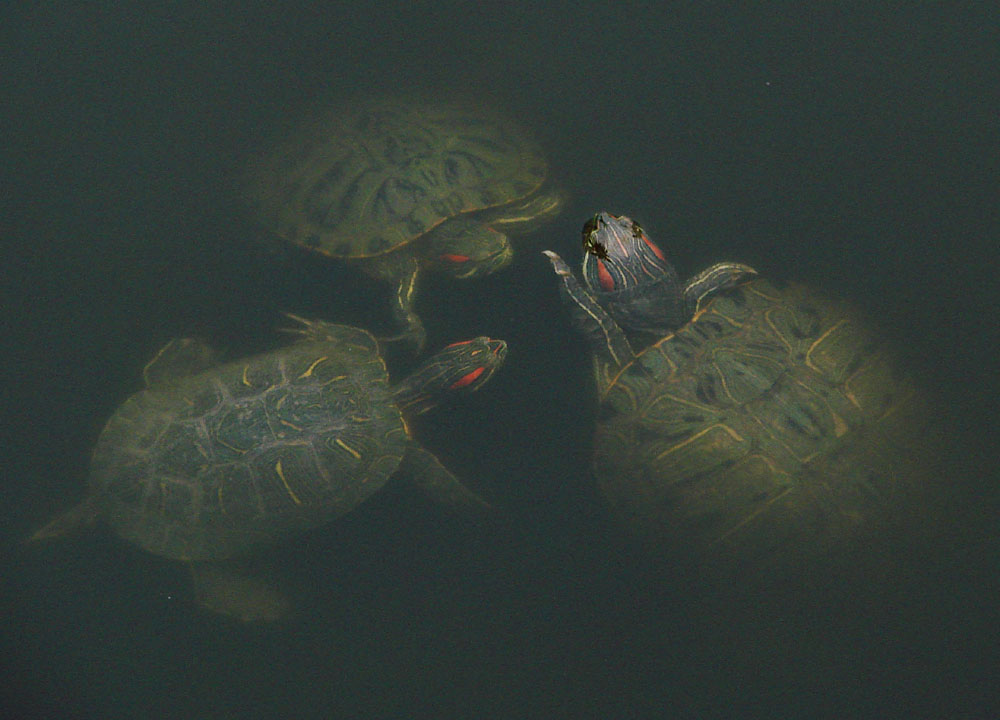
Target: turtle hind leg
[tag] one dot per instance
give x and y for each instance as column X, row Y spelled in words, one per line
column 425, row 472
column 77, row 519
column 239, row 592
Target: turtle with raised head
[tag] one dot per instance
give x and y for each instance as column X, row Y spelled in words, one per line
column 742, row 423
column 212, row 462
column 399, row 185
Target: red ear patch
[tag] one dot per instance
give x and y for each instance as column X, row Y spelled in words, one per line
column 451, row 257
column 467, row 379
column 456, row 344
column 604, row 277
column 654, row 247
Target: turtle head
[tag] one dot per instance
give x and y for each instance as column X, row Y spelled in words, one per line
column 630, row 275
column 458, row 369
column 619, row 255
column 465, row 248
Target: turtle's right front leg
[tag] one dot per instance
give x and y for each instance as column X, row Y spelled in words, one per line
column 603, row 333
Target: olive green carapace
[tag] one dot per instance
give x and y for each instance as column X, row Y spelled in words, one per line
column 774, row 423
column 360, row 181
column 395, row 186
column 215, row 464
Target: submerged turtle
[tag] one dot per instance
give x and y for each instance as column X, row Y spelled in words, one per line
column 212, row 462
column 762, row 425
column 396, row 186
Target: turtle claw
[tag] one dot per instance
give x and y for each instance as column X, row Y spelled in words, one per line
column 558, row 264
column 321, row 330
column 301, row 329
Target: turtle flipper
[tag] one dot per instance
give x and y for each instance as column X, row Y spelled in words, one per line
column 426, row 472
column 81, row 517
column 606, row 338
column 402, row 310
column 178, row 358
column 711, row 280
column 321, row 331
column 235, row 590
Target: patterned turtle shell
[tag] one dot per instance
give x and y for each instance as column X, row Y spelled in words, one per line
column 363, row 180
column 775, row 422
column 761, row 426
column 215, row 463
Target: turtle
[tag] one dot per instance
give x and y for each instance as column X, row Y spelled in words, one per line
column 397, row 185
column 759, row 424
column 213, row 462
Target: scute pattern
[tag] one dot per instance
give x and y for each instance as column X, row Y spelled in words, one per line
column 292, row 438
column 775, row 419
column 361, row 181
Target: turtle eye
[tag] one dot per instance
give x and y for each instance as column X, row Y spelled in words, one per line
column 636, row 230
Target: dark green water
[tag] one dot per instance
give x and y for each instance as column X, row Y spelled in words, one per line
column 854, row 151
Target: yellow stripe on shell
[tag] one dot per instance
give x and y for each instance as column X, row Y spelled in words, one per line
column 309, row 370
column 348, row 448
column 732, row 433
column 281, row 474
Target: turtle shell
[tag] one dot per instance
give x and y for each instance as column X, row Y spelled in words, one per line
column 771, row 426
column 218, row 463
column 361, row 181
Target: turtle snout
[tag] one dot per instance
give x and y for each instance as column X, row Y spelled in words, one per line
column 497, row 347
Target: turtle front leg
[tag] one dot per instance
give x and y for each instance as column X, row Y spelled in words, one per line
column 606, row 338
column 711, row 280
column 422, row 469
column 402, row 307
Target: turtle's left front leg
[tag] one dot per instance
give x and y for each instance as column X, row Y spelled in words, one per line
column 402, row 307
column 709, row 281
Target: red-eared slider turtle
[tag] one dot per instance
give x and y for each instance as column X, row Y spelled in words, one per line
column 212, row 462
column 762, row 425
column 396, row 186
